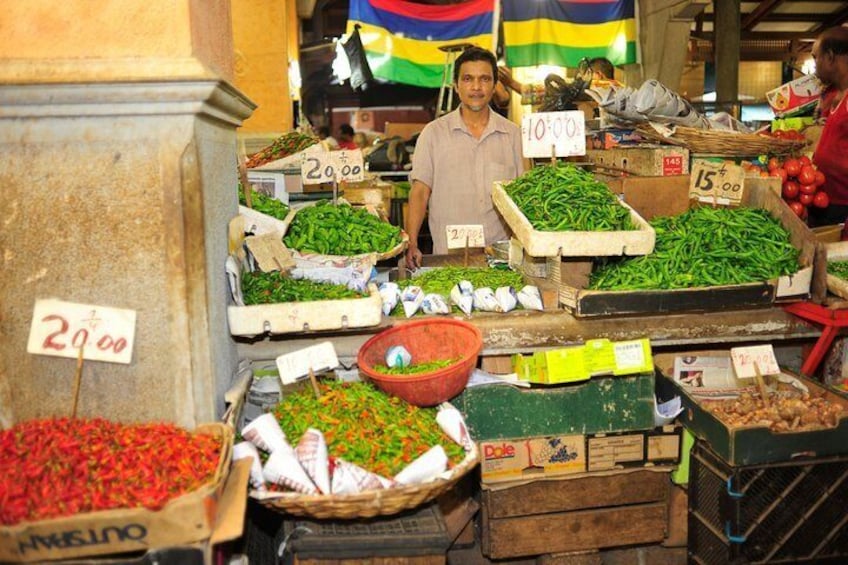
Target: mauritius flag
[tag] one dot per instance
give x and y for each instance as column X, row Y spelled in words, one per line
column 402, row 39
column 561, row 32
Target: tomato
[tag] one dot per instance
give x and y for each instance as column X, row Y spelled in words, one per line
column 808, row 189
column 780, row 173
column 807, row 175
column 792, row 166
column 806, row 199
column 804, row 160
column 821, row 200
column 773, row 163
column 778, row 134
column 819, row 178
column 764, row 174
column 797, row 207
column 791, row 190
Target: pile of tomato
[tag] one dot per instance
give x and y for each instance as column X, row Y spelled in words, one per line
column 802, row 183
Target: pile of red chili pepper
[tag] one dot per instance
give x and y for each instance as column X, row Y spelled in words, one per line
column 285, row 145
column 362, row 425
column 60, row 467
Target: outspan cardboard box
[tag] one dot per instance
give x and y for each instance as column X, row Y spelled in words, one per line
column 187, row 519
column 668, row 196
column 794, row 97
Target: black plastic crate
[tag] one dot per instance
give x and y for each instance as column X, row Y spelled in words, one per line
column 788, row 512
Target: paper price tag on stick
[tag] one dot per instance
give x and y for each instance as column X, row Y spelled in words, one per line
column 716, row 182
column 332, row 166
column 460, row 235
column 316, row 358
column 748, row 360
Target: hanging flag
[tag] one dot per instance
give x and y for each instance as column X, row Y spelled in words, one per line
column 402, row 39
column 561, row 32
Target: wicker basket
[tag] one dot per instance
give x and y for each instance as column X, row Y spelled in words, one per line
column 367, row 504
column 725, row 143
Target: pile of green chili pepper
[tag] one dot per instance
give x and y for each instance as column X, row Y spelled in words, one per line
column 838, row 269
column 340, row 230
column 272, row 288
column 364, row 426
column 264, row 204
column 443, row 279
column 566, row 198
column 415, row 368
column 705, row 247
column 285, row 145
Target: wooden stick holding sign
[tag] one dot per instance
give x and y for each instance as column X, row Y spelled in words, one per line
column 465, row 236
column 755, row 362
column 77, row 381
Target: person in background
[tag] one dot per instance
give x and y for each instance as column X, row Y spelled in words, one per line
column 459, row 156
column 346, row 134
column 602, row 69
column 325, row 138
column 830, row 52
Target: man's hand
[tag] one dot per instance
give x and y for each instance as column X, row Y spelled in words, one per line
column 413, row 257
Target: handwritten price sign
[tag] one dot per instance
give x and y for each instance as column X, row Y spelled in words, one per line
column 458, row 235
column 712, row 181
column 321, row 357
column 545, row 134
column 331, row 166
column 744, row 359
column 61, row 328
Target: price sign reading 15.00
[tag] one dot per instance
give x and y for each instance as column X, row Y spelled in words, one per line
column 331, row 166
column 718, row 182
column 61, row 328
column 544, row 134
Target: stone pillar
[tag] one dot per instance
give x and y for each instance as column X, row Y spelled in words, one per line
column 726, row 46
column 118, row 136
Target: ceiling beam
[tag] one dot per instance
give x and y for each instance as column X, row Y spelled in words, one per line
column 781, row 18
column 763, row 9
column 835, row 19
column 763, row 36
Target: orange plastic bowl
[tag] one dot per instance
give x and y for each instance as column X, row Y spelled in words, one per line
column 426, row 340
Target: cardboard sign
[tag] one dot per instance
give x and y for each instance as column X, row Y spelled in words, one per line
column 548, row 134
column 321, row 357
column 744, row 359
column 269, row 252
column 721, row 183
column 61, row 328
column 333, row 166
column 458, row 235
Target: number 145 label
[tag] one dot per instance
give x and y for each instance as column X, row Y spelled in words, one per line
column 61, row 328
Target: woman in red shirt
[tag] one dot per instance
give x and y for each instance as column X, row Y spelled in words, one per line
column 830, row 53
column 346, row 134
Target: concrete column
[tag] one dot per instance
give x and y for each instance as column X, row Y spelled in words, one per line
column 118, row 136
column 663, row 42
column 728, row 29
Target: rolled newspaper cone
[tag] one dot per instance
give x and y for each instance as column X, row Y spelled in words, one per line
column 485, row 301
column 506, row 297
column 265, row 433
column 283, row 469
column 351, row 479
column 390, row 296
column 311, row 452
column 435, row 304
column 412, row 297
column 530, row 298
column 243, row 450
column 453, row 424
column 427, row 467
column 462, row 294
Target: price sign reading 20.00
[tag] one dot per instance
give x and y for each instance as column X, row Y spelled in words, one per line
column 338, row 166
column 61, row 328
column 544, row 134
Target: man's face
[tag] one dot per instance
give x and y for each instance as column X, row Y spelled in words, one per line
column 824, row 63
column 475, row 85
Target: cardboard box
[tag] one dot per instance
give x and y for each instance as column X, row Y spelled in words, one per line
column 187, row 519
column 660, row 446
column 748, row 445
column 666, row 196
column 794, row 97
column 601, row 404
column 610, row 138
column 646, row 161
column 573, row 243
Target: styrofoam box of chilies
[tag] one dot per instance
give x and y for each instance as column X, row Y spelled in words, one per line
column 574, row 243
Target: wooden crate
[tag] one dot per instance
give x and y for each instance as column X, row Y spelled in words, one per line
column 575, row 514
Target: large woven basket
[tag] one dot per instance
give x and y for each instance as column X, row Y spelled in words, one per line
column 725, row 143
column 367, row 504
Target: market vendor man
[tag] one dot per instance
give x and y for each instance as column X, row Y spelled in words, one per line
column 459, row 155
column 830, row 52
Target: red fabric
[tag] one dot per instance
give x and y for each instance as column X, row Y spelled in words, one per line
column 831, row 155
column 347, row 145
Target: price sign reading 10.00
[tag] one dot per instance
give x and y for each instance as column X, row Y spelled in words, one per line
column 548, row 134
column 332, row 166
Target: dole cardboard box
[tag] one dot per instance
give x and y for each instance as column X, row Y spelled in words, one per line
column 510, row 460
column 187, row 519
column 794, row 97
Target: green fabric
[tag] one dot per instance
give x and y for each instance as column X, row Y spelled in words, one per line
column 681, row 475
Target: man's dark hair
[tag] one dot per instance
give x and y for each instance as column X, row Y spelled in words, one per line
column 603, row 66
column 835, row 40
column 323, row 131
column 346, row 129
column 475, row 53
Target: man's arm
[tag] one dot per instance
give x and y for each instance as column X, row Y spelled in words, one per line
column 419, row 196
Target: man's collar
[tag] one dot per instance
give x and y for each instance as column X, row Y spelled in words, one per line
column 455, row 122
